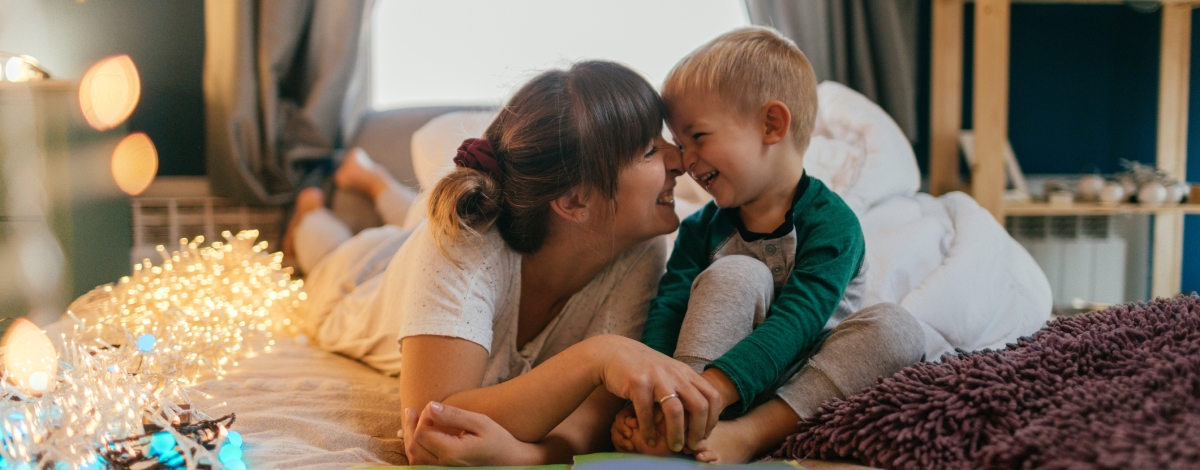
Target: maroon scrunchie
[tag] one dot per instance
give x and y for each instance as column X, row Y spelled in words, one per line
column 478, row 154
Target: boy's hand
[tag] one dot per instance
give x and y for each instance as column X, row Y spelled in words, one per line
column 725, row 388
column 622, row 432
column 626, row 437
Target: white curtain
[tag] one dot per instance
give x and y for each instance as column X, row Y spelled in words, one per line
column 868, row 45
column 285, row 83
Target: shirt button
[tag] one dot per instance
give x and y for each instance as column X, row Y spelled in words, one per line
column 776, row 270
column 770, row 249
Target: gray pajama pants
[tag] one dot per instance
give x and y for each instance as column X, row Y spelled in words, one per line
column 733, row 296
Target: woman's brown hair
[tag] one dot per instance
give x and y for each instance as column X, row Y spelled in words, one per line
column 563, row 129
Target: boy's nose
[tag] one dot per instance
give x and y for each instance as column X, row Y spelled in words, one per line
column 674, row 162
column 688, row 158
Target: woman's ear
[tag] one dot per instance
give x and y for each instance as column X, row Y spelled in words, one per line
column 777, row 121
column 573, row 206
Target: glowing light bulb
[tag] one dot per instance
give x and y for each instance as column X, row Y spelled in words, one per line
column 12, row 68
column 29, row 357
column 109, row 91
column 134, row 163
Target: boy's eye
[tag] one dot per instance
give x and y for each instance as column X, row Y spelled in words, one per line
column 653, row 150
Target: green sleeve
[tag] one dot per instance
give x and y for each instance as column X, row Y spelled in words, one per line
column 687, row 260
column 828, row 256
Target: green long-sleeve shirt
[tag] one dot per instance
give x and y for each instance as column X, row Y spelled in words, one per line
column 829, row 254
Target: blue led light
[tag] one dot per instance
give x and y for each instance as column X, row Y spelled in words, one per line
column 235, row 438
column 171, row 459
column 230, row 454
column 97, row 463
column 161, row 443
column 146, row 342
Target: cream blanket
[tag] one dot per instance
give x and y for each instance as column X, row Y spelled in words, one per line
column 299, row 407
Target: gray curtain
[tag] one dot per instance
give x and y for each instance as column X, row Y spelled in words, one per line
column 868, row 45
column 285, row 83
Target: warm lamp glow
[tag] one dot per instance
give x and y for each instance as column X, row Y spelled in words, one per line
column 29, row 357
column 109, row 91
column 134, row 163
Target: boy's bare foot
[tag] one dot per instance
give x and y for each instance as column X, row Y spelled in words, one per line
column 749, row 436
column 360, row 173
column 731, row 442
column 309, row 199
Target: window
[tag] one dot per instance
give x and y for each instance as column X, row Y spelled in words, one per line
column 479, row 51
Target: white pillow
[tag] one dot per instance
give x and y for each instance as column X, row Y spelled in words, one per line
column 858, row 150
column 435, row 143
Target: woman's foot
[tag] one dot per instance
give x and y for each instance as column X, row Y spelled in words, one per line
column 358, row 172
column 309, row 199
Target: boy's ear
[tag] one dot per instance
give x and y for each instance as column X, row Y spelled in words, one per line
column 573, row 206
column 777, row 121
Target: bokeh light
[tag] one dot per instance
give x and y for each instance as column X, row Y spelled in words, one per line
column 134, row 163
column 29, row 357
column 109, row 92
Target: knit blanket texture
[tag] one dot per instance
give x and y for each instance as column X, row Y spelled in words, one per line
column 1115, row 389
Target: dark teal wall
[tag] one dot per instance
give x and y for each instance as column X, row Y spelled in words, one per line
column 165, row 38
column 1083, row 94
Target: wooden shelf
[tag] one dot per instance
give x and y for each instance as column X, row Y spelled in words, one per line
column 1092, row 208
column 990, row 117
column 1111, row 2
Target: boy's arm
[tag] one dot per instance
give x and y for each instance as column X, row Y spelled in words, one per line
column 687, row 260
column 830, row 257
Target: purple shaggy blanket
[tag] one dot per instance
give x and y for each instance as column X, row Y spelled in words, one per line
column 1117, row 389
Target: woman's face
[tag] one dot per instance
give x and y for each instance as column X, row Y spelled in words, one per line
column 645, row 199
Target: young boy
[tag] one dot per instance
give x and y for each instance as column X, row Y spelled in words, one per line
column 762, row 290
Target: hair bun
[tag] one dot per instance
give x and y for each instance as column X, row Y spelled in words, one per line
column 478, row 154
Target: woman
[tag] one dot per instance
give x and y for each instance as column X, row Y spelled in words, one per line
column 516, row 304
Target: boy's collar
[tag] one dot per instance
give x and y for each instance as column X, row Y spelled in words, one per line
column 783, row 229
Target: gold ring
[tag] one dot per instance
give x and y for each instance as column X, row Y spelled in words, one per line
column 668, row 397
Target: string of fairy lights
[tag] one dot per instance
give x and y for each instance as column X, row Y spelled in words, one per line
column 117, row 393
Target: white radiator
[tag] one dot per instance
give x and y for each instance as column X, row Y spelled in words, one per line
column 164, row 220
column 1083, row 257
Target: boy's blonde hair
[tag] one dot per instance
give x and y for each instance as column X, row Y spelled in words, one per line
column 748, row 67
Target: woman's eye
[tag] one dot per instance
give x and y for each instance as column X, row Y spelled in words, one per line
column 698, row 135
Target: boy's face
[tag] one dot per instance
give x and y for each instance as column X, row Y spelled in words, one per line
column 723, row 150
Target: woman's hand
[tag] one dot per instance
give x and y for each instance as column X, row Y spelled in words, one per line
column 633, row 371
column 445, row 435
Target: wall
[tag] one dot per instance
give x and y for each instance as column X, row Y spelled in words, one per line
column 1083, row 94
column 165, row 40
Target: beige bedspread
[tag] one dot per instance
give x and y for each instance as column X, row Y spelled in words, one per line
column 299, row 407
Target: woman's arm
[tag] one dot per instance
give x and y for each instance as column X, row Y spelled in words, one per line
column 529, row 406
column 445, row 435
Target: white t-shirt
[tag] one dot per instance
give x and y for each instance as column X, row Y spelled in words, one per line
column 387, row 283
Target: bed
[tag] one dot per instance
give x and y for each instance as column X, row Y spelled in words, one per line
column 970, row 285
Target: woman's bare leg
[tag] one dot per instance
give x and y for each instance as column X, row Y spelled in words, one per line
column 308, row 200
column 359, row 173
